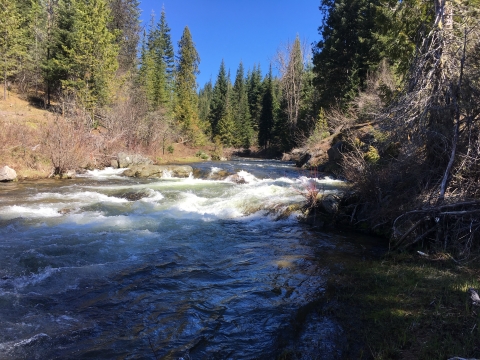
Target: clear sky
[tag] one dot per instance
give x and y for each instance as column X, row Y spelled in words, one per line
column 237, row 30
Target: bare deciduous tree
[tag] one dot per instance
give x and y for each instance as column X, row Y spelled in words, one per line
column 290, row 63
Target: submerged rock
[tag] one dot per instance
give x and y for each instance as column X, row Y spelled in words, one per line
column 148, row 171
column 132, row 196
column 7, row 174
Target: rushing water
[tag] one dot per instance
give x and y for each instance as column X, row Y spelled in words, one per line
column 107, row 267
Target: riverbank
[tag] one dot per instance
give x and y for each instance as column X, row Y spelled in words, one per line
column 390, row 306
column 38, row 142
column 396, row 305
column 406, row 306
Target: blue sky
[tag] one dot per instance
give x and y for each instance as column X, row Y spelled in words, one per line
column 237, row 30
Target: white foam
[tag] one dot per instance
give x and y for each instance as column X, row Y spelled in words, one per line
column 166, row 174
column 106, row 173
column 81, row 196
column 153, row 196
column 32, row 211
column 31, row 340
column 214, row 170
column 243, row 175
column 33, row 279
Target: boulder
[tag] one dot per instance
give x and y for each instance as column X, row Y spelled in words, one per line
column 329, row 203
column 7, row 174
column 69, row 174
column 237, row 179
column 158, row 171
column 335, row 152
column 127, row 160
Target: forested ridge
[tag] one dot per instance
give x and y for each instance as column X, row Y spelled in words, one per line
column 408, row 69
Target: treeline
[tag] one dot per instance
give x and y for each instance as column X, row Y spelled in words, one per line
column 271, row 112
column 81, row 59
column 69, row 49
column 92, row 59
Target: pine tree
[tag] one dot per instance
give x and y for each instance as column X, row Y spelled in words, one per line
column 186, row 107
column 152, row 72
column 125, row 21
column 58, row 31
column 243, row 130
column 255, row 93
column 93, row 53
column 83, row 56
column 347, row 50
column 267, row 120
column 399, row 26
column 218, row 105
column 147, row 77
column 37, row 27
column 309, row 107
column 204, row 100
column 12, row 40
column 226, row 124
column 166, row 46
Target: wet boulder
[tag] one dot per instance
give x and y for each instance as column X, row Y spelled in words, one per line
column 329, row 203
column 158, row 171
column 69, row 174
column 127, row 160
column 236, row 179
column 7, row 174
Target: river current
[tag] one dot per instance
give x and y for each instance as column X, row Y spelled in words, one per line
column 110, row 267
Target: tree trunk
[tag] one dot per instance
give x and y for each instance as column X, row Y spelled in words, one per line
column 5, row 81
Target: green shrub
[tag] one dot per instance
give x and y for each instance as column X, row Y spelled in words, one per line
column 202, row 155
column 321, row 130
column 371, row 156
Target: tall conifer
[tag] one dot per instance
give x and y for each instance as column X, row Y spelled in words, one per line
column 166, row 45
column 125, row 20
column 255, row 93
column 347, row 50
column 204, row 100
column 12, row 40
column 243, row 130
column 186, row 107
column 267, row 113
column 218, row 105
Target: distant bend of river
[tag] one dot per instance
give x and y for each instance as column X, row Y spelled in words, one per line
column 110, row 267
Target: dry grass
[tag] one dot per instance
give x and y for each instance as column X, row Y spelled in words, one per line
column 21, row 137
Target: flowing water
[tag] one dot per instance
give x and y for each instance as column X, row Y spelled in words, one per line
column 109, row 267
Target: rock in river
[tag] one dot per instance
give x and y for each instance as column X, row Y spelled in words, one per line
column 127, row 160
column 148, row 171
column 7, row 174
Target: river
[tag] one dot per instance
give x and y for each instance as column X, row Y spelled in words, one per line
column 110, row 267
